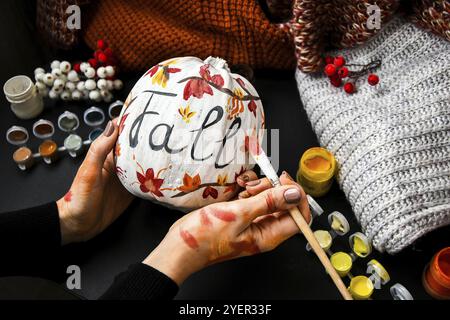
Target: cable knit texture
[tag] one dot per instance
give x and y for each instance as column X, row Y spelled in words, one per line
column 392, row 141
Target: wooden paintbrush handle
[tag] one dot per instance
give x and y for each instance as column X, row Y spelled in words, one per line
column 309, row 235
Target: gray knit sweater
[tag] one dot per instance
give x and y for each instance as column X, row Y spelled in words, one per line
column 392, row 141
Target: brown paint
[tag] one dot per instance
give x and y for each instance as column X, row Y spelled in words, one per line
column 68, row 196
column 239, row 248
column 189, row 239
column 43, row 129
column 22, row 154
column 48, row 148
column 270, row 202
column 17, row 135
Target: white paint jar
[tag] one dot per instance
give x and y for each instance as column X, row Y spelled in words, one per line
column 26, row 103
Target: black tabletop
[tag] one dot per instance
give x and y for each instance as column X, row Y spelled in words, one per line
column 289, row 272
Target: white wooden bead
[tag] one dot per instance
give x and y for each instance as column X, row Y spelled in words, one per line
column 80, row 86
column 102, row 84
column 109, row 85
column 66, row 95
column 70, row 86
column 107, row 96
column 76, row 95
column 84, row 66
column 85, row 94
column 118, row 84
column 90, row 84
column 95, row 95
column 55, row 64
column 57, row 89
column 72, row 76
column 53, row 95
column 49, row 79
column 65, row 66
column 101, row 72
column 38, row 71
column 110, row 71
column 58, row 83
column 90, row 73
column 63, row 77
column 39, row 77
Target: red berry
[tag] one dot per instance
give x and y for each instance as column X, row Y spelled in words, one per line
column 76, row 67
column 108, row 52
column 93, row 62
column 329, row 59
column 349, row 87
column 339, row 61
column 101, row 44
column 336, row 81
column 330, row 69
column 373, row 79
column 102, row 57
column 343, row 72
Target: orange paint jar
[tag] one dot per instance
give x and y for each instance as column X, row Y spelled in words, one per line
column 48, row 150
column 436, row 278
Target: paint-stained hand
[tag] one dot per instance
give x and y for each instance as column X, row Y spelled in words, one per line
column 227, row 230
column 96, row 197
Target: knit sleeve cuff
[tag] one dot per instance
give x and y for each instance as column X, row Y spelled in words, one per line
column 141, row 282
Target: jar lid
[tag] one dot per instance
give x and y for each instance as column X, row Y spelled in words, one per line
column 43, row 129
column 399, row 292
column 115, row 108
column 68, row 121
column 339, row 223
column 94, row 116
column 360, row 244
column 17, row 135
column 18, row 88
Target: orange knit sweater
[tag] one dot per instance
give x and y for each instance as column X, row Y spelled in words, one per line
column 145, row 32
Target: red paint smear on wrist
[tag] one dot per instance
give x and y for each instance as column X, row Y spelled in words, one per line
column 223, row 215
column 270, row 202
column 68, row 196
column 189, row 239
column 204, row 220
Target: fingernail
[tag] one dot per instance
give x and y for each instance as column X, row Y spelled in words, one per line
column 109, row 129
column 253, row 183
column 292, row 195
column 244, row 178
column 287, row 175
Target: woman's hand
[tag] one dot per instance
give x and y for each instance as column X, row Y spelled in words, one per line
column 257, row 222
column 96, row 197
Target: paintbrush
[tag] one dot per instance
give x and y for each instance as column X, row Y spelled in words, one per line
column 263, row 162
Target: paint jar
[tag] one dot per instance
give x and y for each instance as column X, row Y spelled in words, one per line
column 378, row 274
column 68, row 121
column 17, row 135
column 399, row 292
column 338, row 223
column 26, row 103
column 436, row 277
column 361, row 288
column 315, row 208
column 316, row 171
column 94, row 116
column 360, row 244
column 324, row 238
column 74, row 145
column 23, row 157
column 342, row 262
column 114, row 109
column 94, row 134
column 43, row 129
column 48, row 151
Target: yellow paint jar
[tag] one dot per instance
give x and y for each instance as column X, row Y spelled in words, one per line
column 316, row 171
column 360, row 244
column 373, row 266
column 338, row 223
column 324, row 238
column 361, row 288
column 342, row 262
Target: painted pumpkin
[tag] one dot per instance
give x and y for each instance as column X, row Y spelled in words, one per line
column 184, row 132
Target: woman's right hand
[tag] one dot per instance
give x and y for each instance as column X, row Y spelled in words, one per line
column 257, row 222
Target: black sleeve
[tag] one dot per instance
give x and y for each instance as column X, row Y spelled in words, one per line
column 141, row 282
column 29, row 240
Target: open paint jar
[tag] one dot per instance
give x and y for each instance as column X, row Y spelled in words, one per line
column 436, row 277
column 360, row 244
column 338, row 223
column 74, row 145
column 316, row 171
column 43, row 129
column 48, row 151
column 324, row 238
column 361, row 288
column 17, row 135
column 94, row 134
column 94, row 116
column 68, row 121
column 115, row 108
column 379, row 275
column 342, row 263
column 23, row 157
column 26, row 103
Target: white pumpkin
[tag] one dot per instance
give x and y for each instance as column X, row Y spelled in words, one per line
column 183, row 131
